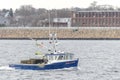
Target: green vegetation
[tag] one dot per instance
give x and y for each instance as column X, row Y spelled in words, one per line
column 2, row 25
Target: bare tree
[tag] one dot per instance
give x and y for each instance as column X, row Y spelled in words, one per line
column 25, row 12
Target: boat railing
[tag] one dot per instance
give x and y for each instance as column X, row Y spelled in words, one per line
column 67, row 56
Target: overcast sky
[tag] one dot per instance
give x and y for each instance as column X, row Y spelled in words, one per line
column 56, row 4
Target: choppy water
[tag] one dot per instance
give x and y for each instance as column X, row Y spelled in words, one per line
column 99, row 60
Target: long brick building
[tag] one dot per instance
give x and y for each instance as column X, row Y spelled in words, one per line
column 108, row 18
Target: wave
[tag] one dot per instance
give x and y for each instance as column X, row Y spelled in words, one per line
column 6, row 68
column 68, row 69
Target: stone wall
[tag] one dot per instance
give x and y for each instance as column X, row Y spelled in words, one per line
column 21, row 33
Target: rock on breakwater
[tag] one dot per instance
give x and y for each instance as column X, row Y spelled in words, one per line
column 62, row 33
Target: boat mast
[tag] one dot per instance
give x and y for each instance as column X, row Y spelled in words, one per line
column 54, row 42
column 49, row 24
column 56, row 26
column 52, row 35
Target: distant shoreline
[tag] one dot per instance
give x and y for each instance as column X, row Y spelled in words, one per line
column 61, row 38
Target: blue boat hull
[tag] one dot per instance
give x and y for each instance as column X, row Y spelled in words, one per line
column 59, row 65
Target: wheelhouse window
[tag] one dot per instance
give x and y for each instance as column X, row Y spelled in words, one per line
column 59, row 56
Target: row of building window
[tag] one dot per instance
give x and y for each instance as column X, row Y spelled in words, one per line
column 97, row 18
column 97, row 14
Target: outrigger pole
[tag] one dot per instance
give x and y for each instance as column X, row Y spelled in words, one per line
column 40, row 44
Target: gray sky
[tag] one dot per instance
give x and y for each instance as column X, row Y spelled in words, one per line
column 56, row 4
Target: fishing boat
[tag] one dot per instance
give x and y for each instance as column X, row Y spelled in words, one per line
column 52, row 60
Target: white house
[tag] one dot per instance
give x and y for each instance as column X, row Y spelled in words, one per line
column 4, row 19
column 61, row 21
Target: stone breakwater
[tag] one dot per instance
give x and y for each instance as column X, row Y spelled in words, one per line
column 62, row 33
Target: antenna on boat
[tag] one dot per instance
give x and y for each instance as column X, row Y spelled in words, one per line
column 56, row 26
column 49, row 24
column 52, row 35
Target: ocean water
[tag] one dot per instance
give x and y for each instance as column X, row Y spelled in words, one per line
column 98, row 60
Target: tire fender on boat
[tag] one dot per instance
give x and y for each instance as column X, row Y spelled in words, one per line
column 41, row 65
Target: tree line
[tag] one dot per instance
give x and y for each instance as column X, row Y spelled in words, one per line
column 27, row 15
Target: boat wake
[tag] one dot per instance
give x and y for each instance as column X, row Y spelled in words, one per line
column 69, row 69
column 78, row 68
column 6, row 68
